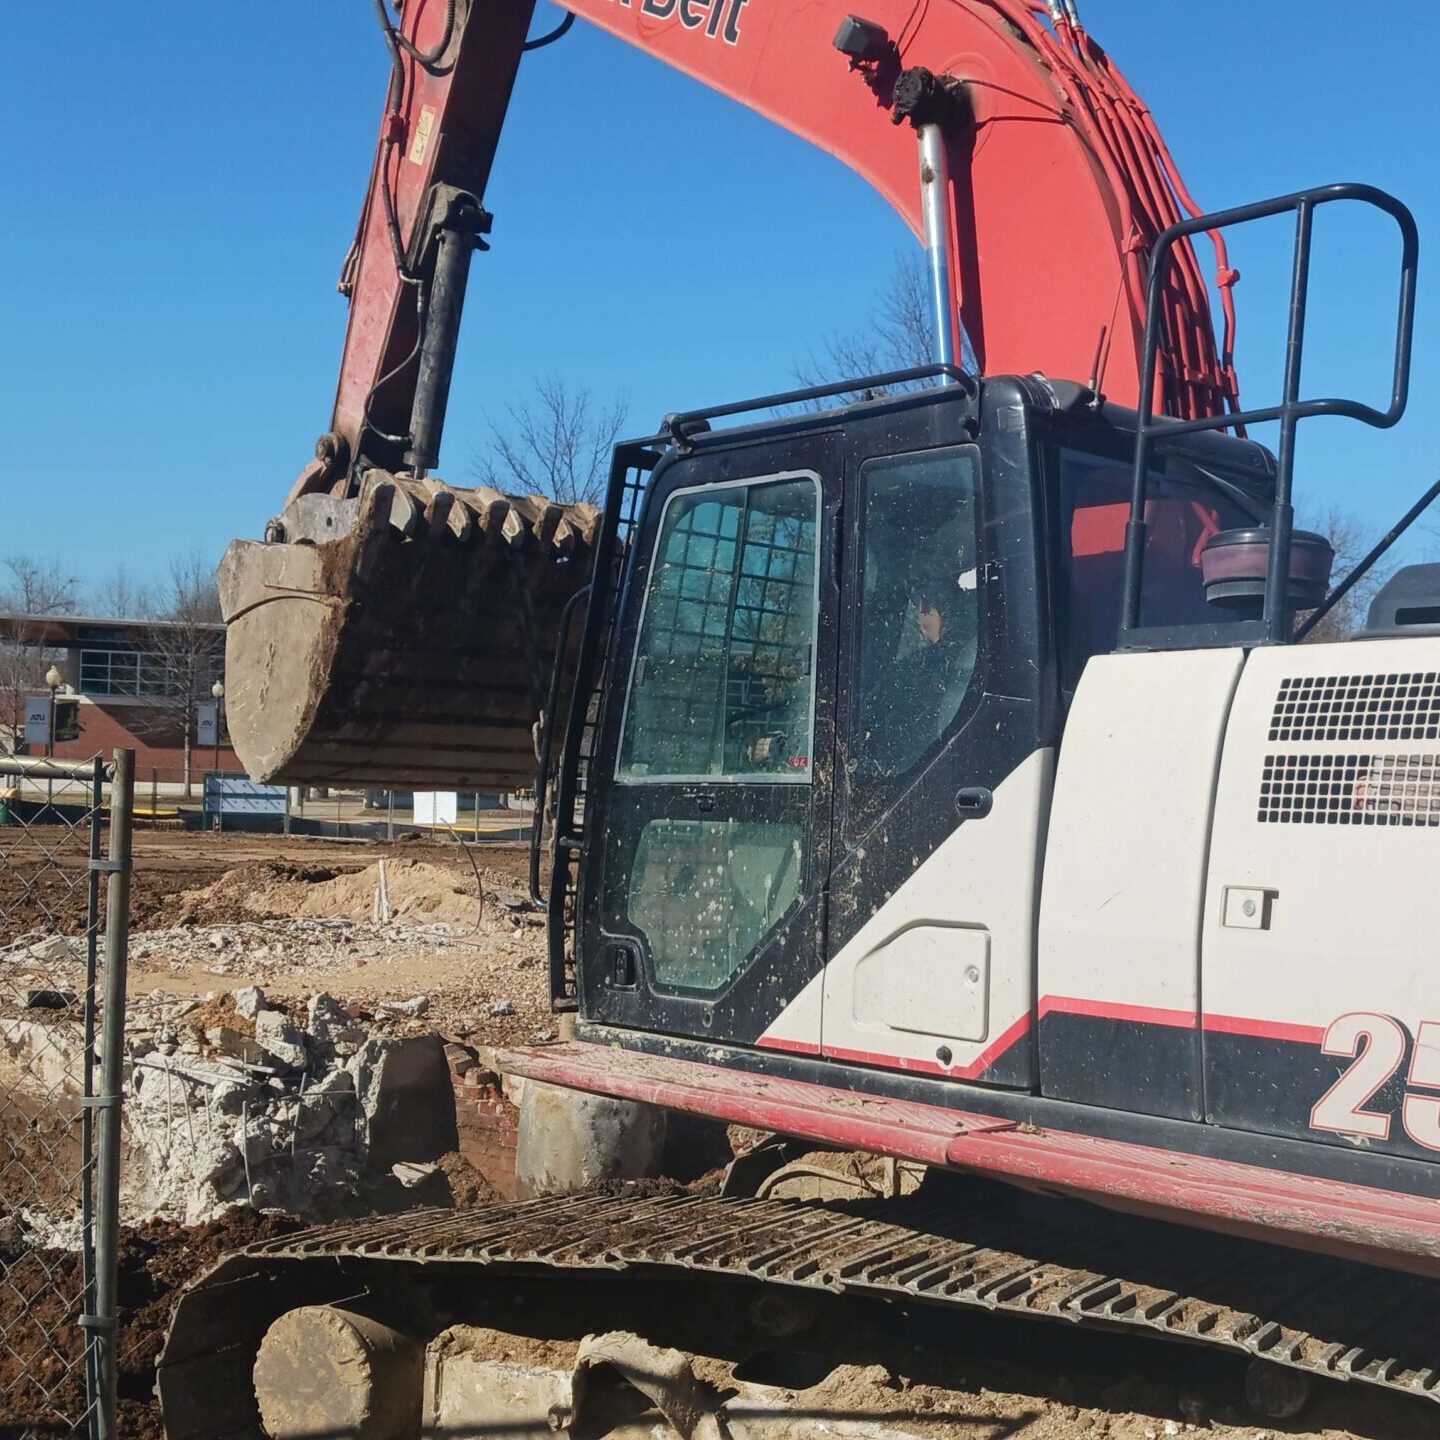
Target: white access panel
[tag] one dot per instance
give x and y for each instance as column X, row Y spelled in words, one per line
column 943, row 973
column 1124, row 878
column 1328, row 810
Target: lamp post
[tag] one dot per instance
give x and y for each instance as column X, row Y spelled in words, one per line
column 53, row 680
column 218, row 691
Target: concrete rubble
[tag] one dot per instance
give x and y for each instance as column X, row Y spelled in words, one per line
column 283, row 1049
column 300, row 1118
column 262, row 949
column 234, row 1099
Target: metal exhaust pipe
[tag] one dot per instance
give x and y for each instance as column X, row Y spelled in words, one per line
column 935, row 202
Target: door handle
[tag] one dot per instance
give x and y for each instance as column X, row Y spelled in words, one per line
column 974, row 802
column 704, row 800
column 622, row 967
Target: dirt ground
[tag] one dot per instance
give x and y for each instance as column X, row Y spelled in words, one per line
column 157, row 1261
column 299, row 916
column 463, row 934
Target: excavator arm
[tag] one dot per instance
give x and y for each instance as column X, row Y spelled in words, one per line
column 398, row 629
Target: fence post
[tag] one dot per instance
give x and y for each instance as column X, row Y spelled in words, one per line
column 107, row 1207
column 93, row 1341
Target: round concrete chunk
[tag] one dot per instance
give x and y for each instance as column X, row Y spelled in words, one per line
column 326, row 1371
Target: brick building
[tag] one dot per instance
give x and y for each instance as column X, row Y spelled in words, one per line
column 137, row 681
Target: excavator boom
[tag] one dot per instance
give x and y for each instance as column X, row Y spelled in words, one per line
column 399, row 630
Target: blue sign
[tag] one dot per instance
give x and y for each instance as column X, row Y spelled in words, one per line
column 240, row 795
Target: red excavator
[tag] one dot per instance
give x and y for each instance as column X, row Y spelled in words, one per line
column 927, row 763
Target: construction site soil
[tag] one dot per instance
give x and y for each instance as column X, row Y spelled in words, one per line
column 157, row 1261
column 215, row 913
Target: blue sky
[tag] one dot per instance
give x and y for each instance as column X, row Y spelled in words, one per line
column 178, row 199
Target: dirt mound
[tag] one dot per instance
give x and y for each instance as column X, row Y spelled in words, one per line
column 466, row 1186
column 411, row 892
column 401, row 890
column 257, row 888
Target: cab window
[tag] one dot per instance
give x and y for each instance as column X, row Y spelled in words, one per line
column 723, row 684
column 919, row 615
column 1181, row 515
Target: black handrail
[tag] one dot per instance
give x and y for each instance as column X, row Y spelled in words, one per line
column 1292, row 409
column 603, row 600
column 679, row 427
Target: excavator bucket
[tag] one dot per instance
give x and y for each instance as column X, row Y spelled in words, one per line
column 405, row 636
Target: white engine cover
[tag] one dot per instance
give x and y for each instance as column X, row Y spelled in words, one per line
column 1322, row 1006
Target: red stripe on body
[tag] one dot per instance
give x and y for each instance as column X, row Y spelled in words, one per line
column 1264, row 1029
column 796, row 1047
column 977, row 1067
column 1110, row 1010
column 1064, row 1005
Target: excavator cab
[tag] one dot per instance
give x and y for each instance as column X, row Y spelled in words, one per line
column 828, row 663
column 830, row 645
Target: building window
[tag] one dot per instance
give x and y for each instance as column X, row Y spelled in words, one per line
column 142, row 674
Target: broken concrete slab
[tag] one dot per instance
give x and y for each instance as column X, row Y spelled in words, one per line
column 411, row 1173
column 282, row 1039
column 407, row 1106
column 227, row 1041
column 249, row 1001
column 330, row 1024
column 413, row 1008
column 52, row 950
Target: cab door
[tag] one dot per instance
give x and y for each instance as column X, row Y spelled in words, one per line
column 945, row 753
column 715, row 801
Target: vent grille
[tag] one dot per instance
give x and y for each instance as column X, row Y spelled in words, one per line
column 1358, row 707
column 1350, row 790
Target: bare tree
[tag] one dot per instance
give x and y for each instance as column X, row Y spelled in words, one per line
column 899, row 335
column 124, row 597
column 1352, row 541
column 38, row 587
column 32, row 587
column 182, row 658
column 22, row 674
column 556, row 443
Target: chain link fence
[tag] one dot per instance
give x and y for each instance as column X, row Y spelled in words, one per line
column 225, row 800
column 64, row 893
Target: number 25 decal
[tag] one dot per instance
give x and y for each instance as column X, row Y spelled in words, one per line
column 1376, row 1044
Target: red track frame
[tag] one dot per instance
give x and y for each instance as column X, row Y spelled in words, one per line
column 1378, row 1227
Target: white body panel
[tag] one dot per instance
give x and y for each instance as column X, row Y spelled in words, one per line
column 1348, row 857
column 1125, row 862
column 944, row 968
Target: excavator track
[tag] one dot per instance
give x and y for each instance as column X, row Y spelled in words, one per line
column 1027, row 1256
